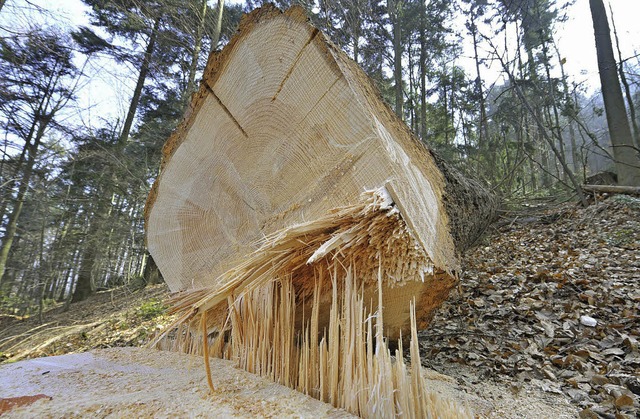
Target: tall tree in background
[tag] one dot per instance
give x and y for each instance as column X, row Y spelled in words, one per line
column 217, row 29
column 201, row 16
column 627, row 88
column 140, row 23
column 396, row 15
column 81, row 219
column 475, row 13
column 36, row 82
column 535, row 19
column 626, row 155
column 166, row 39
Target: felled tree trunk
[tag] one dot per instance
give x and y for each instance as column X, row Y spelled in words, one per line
column 290, row 175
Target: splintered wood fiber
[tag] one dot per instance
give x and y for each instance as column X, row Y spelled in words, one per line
column 306, row 310
column 257, row 218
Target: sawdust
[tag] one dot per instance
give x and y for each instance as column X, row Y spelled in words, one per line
column 131, row 382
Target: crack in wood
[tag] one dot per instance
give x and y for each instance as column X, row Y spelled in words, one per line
column 320, row 99
column 314, row 33
column 227, row 111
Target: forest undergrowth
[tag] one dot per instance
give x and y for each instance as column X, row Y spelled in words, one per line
column 522, row 318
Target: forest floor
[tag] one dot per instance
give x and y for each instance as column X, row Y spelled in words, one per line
column 546, row 321
column 550, row 300
column 113, row 318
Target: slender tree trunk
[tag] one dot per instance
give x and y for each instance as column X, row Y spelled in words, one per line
column 85, row 285
column 215, row 38
column 533, row 179
column 56, row 256
column 197, row 47
column 142, row 76
column 554, row 107
column 12, row 223
column 355, row 20
column 452, row 104
column 21, row 159
column 423, row 72
column 356, row 44
column 446, row 112
column 625, row 83
column 575, row 157
column 395, row 11
column 63, row 282
column 412, row 84
column 482, row 131
column 544, row 155
column 41, row 274
column 626, row 155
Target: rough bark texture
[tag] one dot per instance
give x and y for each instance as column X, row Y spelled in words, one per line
column 470, row 207
column 624, row 152
column 285, row 128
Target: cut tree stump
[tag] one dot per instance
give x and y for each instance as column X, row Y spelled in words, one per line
column 293, row 207
column 284, row 128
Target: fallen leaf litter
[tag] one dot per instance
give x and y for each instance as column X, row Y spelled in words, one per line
column 552, row 301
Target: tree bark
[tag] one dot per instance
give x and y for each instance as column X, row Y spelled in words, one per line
column 423, row 73
column 625, row 83
column 575, row 157
column 483, row 132
column 85, row 285
column 554, row 106
column 630, row 190
column 625, row 153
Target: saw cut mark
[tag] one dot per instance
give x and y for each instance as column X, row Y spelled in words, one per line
column 314, row 33
column 315, row 105
column 226, row 110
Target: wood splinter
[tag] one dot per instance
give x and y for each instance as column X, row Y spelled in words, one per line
column 293, row 208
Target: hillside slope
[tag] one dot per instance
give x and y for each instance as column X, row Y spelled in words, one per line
column 512, row 339
column 551, row 300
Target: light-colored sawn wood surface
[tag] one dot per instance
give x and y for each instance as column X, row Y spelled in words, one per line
column 284, row 128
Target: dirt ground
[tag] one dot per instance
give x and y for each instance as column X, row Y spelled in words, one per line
column 515, row 340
